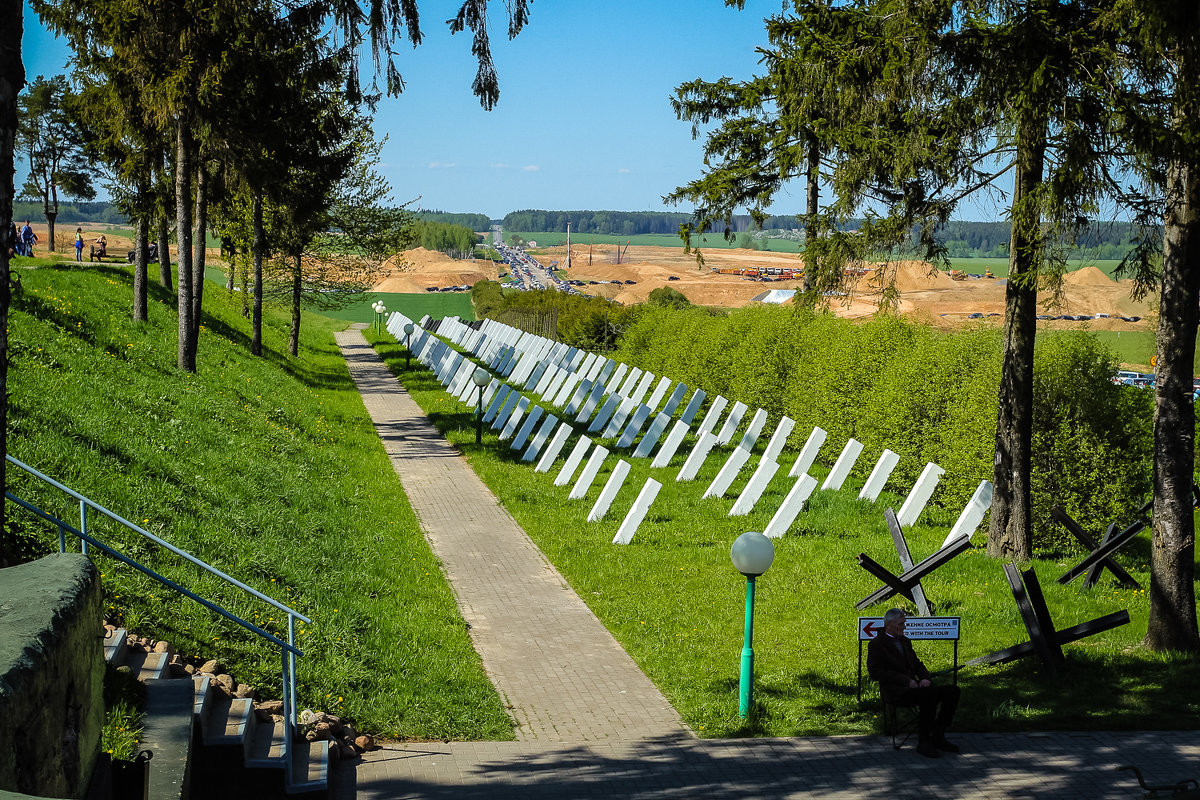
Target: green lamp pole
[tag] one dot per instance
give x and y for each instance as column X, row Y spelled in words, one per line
column 480, row 378
column 408, row 332
column 752, row 554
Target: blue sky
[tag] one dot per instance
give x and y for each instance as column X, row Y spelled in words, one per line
column 584, row 120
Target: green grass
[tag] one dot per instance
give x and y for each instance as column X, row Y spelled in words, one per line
column 270, row 469
column 675, row 603
column 414, row 306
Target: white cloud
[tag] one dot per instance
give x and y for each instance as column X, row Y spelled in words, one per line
column 499, row 166
column 623, row 170
column 441, row 165
column 531, row 168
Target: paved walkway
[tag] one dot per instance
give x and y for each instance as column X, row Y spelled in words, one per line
column 590, row 724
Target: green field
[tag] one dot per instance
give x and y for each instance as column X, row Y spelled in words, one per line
column 674, row 601
column 999, row 266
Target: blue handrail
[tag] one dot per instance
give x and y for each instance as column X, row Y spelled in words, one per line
column 287, row 650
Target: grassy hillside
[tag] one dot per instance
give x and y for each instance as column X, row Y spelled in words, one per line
column 675, row 602
column 269, row 469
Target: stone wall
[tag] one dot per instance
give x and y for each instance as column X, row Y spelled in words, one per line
column 51, row 676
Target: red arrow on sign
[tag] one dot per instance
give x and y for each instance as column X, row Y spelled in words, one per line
column 870, row 629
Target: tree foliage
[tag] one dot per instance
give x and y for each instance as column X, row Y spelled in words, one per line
column 51, row 141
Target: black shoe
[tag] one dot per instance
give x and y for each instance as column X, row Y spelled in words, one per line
column 926, row 748
column 942, row 744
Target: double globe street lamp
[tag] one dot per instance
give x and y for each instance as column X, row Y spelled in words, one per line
column 380, row 309
column 752, row 554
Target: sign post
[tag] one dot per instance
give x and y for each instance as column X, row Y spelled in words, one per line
column 941, row 628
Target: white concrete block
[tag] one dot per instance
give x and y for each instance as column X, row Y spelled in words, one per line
column 630, row 381
column 731, row 422
column 637, row 513
column 878, row 477
column 514, row 419
column 535, row 376
column 972, row 515
column 696, row 458
column 791, row 507
column 555, row 384
column 577, row 397
column 614, row 378
column 754, row 489
column 552, row 372
column 733, row 465
column 634, row 427
column 554, row 448
column 613, row 485
column 539, row 439
column 750, row 438
column 567, row 389
column 497, row 401
column 642, row 387
column 510, row 403
column 573, row 461
column 922, row 490
column 590, row 402
column 842, row 467
column 660, row 391
column 808, row 453
column 674, row 439
column 712, row 416
column 589, row 473
column 523, row 432
column 675, row 399
column 778, row 439
column 605, row 413
column 653, row 434
column 618, row 418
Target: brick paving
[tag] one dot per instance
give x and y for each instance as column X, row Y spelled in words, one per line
column 589, row 723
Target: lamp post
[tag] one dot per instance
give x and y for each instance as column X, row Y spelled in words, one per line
column 408, row 332
column 752, row 553
column 480, row 378
column 379, row 308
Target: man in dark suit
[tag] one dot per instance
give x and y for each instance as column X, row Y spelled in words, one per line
column 904, row 681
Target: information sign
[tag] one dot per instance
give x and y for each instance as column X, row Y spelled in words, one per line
column 914, row 628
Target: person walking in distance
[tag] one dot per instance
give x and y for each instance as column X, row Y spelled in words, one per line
column 904, row 681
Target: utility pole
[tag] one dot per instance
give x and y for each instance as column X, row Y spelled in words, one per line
column 568, row 265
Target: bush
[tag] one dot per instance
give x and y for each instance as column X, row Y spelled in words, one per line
column 924, row 394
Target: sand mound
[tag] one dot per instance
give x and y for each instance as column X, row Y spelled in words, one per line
column 915, row 276
column 419, row 268
column 1088, row 276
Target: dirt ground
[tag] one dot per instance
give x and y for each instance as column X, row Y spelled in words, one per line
column 923, row 292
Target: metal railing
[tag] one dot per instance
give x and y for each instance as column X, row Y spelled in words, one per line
column 287, row 650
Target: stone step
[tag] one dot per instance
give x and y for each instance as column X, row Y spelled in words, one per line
column 115, row 645
column 266, row 745
column 310, row 767
column 147, row 666
column 167, row 733
column 228, row 721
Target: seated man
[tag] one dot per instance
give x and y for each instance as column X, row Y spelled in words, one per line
column 904, row 681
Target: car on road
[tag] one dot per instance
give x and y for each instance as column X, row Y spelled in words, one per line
column 673, row 278
column 976, row 315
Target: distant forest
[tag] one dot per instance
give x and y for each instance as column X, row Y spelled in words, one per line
column 1104, row 240
column 476, row 222
column 71, row 212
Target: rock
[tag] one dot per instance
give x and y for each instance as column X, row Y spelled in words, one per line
column 124, row 668
column 227, row 683
column 162, row 647
column 308, row 717
column 189, row 669
column 179, row 670
column 270, row 706
column 212, row 667
column 262, row 716
column 311, row 736
column 347, row 748
column 244, row 691
column 323, row 730
column 365, row 742
column 349, row 731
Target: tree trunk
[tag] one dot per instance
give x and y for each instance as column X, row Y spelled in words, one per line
column 812, row 207
column 12, row 80
column 1172, row 624
column 141, row 261
column 201, row 246
column 50, row 217
column 164, row 251
column 297, row 286
column 256, row 323
column 1010, row 534
column 184, row 152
